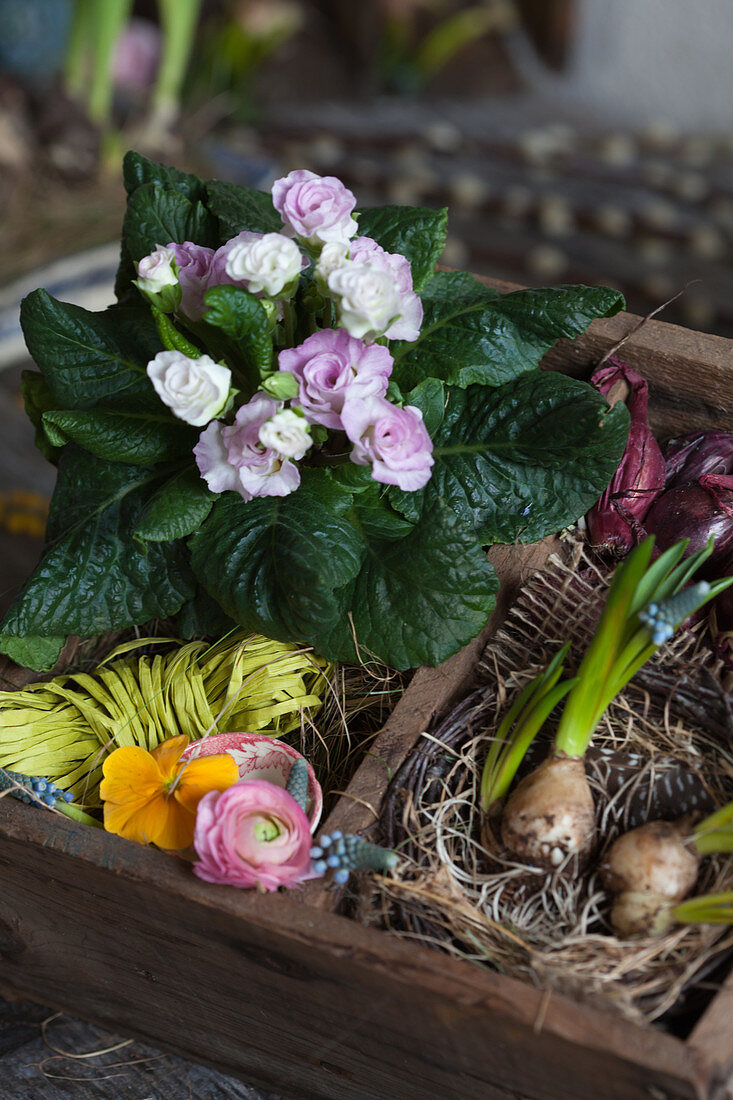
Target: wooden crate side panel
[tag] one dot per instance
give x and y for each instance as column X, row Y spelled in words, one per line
column 306, row 1003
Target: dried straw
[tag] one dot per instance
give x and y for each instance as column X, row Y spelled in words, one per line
column 665, row 748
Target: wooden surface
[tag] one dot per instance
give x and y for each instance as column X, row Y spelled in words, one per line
column 47, row 1056
column 309, row 1004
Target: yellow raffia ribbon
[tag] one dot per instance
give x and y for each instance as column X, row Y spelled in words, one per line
column 63, row 729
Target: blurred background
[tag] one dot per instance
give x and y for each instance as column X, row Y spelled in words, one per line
column 574, row 140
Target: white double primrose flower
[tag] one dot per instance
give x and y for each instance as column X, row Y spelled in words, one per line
column 157, row 271
column 195, row 390
column 287, row 433
column 268, row 264
column 367, row 298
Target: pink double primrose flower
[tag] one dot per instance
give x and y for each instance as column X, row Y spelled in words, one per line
column 234, row 457
column 331, row 366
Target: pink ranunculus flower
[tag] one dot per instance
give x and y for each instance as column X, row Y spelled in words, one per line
column 315, row 208
column 234, row 457
column 252, row 834
column 394, row 441
column 364, row 250
column 329, row 367
column 194, row 268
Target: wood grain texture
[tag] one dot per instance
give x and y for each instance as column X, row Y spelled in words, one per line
column 308, row 1004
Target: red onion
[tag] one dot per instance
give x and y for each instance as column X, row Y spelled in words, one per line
column 696, row 510
column 614, row 523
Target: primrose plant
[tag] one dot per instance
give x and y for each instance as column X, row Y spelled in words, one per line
column 291, row 422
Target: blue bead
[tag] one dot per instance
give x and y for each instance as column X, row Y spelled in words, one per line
column 49, row 799
column 333, row 861
column 341, row 876
column 325, row 841
column 336, row 834
column 320, row 867
column 39, row 784
column 316, row 852
column 67, row 796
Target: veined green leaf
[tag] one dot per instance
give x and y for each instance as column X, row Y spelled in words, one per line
column 275, row 563
column 239, row 208
column 139, row 438
column 157, row 216
column 177, row 509
column 471, row 334
column 242, row 317
column 416, row 599
column 94, row 576
column 523, row 460
column 88, row 357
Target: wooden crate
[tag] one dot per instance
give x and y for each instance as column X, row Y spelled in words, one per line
column 281, row 990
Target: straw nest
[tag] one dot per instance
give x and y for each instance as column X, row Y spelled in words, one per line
column 664, row 749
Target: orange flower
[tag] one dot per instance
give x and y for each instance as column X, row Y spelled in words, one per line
column 152, row 798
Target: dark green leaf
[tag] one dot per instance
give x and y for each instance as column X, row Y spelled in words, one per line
column 138, row 171
column 177, row 509
column 472, row 335
column 524, row 460
column 242, row 317
column 202, row 617
column 88, row 357
column 33, row 651
column 414, row 231
column 38, row 399
column 239, row 208
column 155, row 217
column 416, row 600
column 94, row 576
column 351, row 478
column 274, row 563
column 376, row 518
column 140, row 438
column 429, row 398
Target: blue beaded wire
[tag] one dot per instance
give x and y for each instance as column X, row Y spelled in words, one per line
column 346, row 853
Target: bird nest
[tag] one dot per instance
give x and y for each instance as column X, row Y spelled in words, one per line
column 663, row 750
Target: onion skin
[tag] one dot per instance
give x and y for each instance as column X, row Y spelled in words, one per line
column 550, row 815
column 690, row 456
column 651, row 869
column 614, row 523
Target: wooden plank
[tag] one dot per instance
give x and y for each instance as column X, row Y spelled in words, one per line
column 712, row 1039
column 312, row 1005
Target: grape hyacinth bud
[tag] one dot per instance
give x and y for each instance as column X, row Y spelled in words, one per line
column 665, row 616
column 33, row 790
column 345, row 853
column 297, row 784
